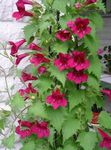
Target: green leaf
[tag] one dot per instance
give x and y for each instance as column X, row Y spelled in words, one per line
column 56, row 117
column 51, row 137
column 60, row 47
column 70, row 127
column 94, row 61
column 17, row 102
column 61, row 76
column 43, row 84
column 88, row 140
column 105, row 120
column 70, row 145
column 93, row 82
column 2, row 123
column 74, row 99
column 29, row 146
column 37, row 110
column 29, row 32
column 60, row 5
column 101, row 5
column 96, row 19
column 88, row 40
column 10, row 141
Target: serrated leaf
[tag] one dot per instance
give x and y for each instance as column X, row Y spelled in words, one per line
column 2, row 123
column 96, row 19
column 56, row 117
column 74, row 99
column 70, row 145
column 29, row 32
column 43, row 84
column 60, row 47
column 101, row 5
column 94, row 61
column 29, row 146
column 70, row 127
column 93, row 82
column 37, row 110
column 17, row 102
column 51, row 137
column 88, row 40
column 88, row 140
column 60, row 5
column 61, row 76
column 105, row 120
column 10, row 141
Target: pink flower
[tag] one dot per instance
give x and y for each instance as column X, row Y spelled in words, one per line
column 27, row 77
column 23, row 129
column 107, row 92
column 77, row 76
column 40, row 129
column 62, row 61
column 56, row 99
column 100, row 52
column 33, row 46
column 90, row 2
column 16, row 46
column 27, row 91
column 78, row 61
column 63, row 35
column 37, row 59
column 80, row 27
column 106, row 142
column 78, row 5
column 42, row 70
column 20, row 57
column 21, row 9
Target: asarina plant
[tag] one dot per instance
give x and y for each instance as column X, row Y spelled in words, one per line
column 62, row 96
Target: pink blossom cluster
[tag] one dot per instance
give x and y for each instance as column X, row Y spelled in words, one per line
column 76, row 62
column 78, row 5
column 27, row 128
column 21, row 9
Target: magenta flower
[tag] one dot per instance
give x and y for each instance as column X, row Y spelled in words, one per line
column 33, row 46
column 56, row 99
column 42, row 70
column 78, row 61
column 90, row 2
column 100, row 52
column 62, row 61
column 40, row 129
column 63, row 35
column 37, row 59
column 107, row 92
column 27, row 91
column 106, row 142
column 27, row 77
column 77, row 76
column 20, row 57
column 21, row 9
column 16, row 46
column 25, row 131
column 80, row 27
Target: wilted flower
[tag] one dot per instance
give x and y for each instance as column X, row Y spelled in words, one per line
column 20, row 57
column 42, row 70
column 107, row 92
column 90, row 1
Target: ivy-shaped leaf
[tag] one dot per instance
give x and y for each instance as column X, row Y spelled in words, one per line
column 105, row 120
column 28, row 146
column 88, row 140
column 60, row 47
